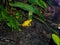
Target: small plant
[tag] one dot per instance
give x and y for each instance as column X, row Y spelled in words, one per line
column 11, row 18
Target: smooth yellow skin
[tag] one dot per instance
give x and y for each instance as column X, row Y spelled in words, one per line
column 27, row 23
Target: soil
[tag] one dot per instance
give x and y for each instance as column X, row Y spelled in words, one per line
column 34, row 35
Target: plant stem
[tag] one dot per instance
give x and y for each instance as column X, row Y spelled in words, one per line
column 46, row 25
column 30, row 15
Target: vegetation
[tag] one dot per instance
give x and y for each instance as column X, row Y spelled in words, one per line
column 12, row 17
column 56, row 39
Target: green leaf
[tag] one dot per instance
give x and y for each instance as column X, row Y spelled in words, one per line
column 25, row 7
column 56, row 39
column 32, row 1
column 28, row 8
column 41, row 3
column 13, row 23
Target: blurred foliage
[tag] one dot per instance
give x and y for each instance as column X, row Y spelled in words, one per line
column 56, row 39
column 13, row 19
column 27, row 7
column 40, row 3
